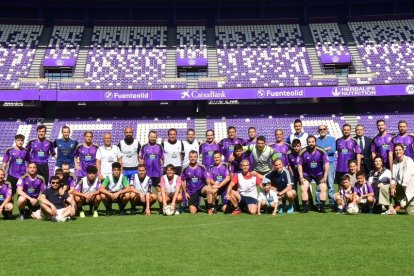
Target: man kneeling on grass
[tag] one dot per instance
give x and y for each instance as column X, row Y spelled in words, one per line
column 6, row 202
column 246, row 194
column 54, row 205
column 282, row 182
column 140, row 187
column 115, row 189
column 86, row 192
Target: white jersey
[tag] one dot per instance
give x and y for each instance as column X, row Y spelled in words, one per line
column 107, row 157
column 85, row 187
column 170, row 186
column 247, row 187
column 187, row 148
column 115, row 187
column 142, row 186
column 172, row 153
column 302, row 138
column 129, row 154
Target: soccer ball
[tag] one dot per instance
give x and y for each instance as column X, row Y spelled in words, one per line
column 168, row 210
column 352, row 209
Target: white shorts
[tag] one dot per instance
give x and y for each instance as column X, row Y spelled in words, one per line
column 39, row 215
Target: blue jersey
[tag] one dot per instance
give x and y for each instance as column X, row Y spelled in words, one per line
column 65, row 151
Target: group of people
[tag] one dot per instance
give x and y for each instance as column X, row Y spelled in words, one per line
column 377, row 175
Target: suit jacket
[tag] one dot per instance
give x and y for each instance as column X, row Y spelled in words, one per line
column 366, row 151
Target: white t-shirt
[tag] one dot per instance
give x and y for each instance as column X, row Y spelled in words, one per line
column 247, row 187
column 187, row 148
column 172, row 153
column 268, row 198
column 107, row 155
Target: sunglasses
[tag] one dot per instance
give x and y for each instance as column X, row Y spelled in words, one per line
column 322, row 129
column 55, row 182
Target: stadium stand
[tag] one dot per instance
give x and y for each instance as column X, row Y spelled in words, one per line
column 328, row 39
column 386, row 49
column 65, row 42
column 17, row 48
column 191, row 42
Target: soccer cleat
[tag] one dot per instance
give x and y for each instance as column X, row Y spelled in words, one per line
column 236, row 212
column 290, row 209
column 133, row 212
column 21, row 217
column 82, row 214
column 95, row 214
column 108, row 213
column 389, row 212
column 176, row 213
column 122, row 213
column 280, row 209
column 340, row 211
column 8, row 216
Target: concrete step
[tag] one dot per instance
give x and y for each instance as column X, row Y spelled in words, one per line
column 310, row 48
column 200, row 127
column 36, row 68
column 83, row 53
column 352, row 48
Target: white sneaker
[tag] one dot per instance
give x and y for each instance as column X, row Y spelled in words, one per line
column 176, row 213
column 82, row 214
column 95, row 214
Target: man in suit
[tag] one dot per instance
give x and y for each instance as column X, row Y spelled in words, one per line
column 364, row 143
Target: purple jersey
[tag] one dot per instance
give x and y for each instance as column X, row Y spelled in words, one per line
column 207, row 150
column 227, row 146
column 219, row 173
column 363, row 190
column 87, row 157
column 32, row 187
column 152, row 156
column 234, row 166
column 68, row 180
column 407, row 141
column 17, row 159
column 5, row 191
column 347, row 150
column 381, row 146
column 40, row 151
column 195, row 178
column 313, row 163
column 281, row 151
column 249, row 156
column 293, row 160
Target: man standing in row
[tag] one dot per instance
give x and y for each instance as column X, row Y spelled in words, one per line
column 40, row 149
column 129, row 150
column 66, row 148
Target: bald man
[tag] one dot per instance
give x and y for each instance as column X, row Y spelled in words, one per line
column 129, row 148
column 106, row 156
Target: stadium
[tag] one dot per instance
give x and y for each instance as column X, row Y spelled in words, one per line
column 156, row 65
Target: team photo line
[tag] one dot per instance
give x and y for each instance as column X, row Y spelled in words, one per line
column 234, row 175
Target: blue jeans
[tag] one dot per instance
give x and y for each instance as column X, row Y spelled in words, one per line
column 331, row 180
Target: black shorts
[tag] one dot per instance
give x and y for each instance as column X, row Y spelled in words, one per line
column 245, row 201
column 13, row 181
column 338, row 177
column 155, row 181
column 317, row 178
column 195, row 198
column 32, row 208
column 43, row 170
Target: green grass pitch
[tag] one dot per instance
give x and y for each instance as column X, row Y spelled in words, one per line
column 296, row 244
